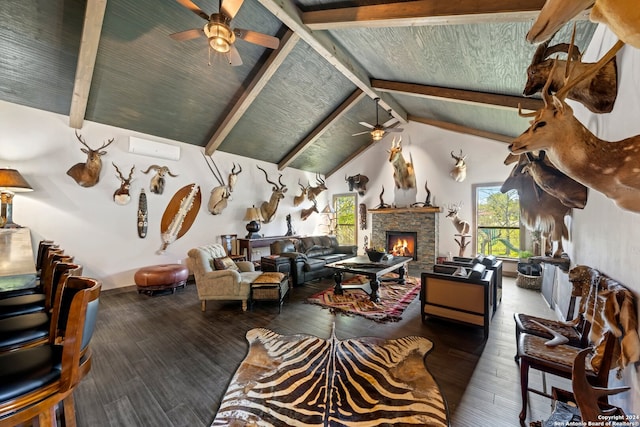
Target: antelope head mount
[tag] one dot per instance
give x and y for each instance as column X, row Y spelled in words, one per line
column 121, row 195
column 303, row 193
column 157, row 182
column 459, row 171
column 403, row 173
column 305, row 213
column 268, row 209
column 220, row 195
column 87, row 174
column 313, row 192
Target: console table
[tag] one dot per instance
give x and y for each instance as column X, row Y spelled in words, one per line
column 17, row 266
column 262, row 242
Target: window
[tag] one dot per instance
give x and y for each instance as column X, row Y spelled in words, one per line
column 346, row 218
column 497, row 218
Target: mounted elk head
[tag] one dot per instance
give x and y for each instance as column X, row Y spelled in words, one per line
column 268, row 209
column 357, row 183
column 303, row 193
column 403, row 173
column 121, row 195
column 157, row 182
column 621, row 16
column 313, row 192
column 608, row 167
column 88, row 174
column 305, row 213
column 598, row 93
column 459, row 171
column 221, row 194
column 463, row 227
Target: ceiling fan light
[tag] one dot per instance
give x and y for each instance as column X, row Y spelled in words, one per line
column 220, row 37
column 377, row 134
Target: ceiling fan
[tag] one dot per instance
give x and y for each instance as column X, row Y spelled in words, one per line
column 219, row 32
column 378, row 130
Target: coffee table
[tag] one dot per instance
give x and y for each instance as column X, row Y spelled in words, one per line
column 372, row 270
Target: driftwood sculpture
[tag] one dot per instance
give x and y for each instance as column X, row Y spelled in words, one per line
column 87, row 174
column 621, row 16
column 121, row 196
column 597, row 93
column 403, row 173
column 357, row 183
column 608, row 167
column 268, row 209
column 303, row 193
column 157, row 182
column 459, row 171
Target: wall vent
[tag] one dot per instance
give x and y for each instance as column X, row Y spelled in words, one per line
column 154, row 149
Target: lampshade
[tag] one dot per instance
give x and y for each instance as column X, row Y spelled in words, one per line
column 253, row 214
column 328, row 210
column 11, row 180
column 377, row 134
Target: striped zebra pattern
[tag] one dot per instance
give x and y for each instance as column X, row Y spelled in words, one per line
column 301, row 380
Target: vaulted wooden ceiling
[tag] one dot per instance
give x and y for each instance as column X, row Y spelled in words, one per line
column 459, row 65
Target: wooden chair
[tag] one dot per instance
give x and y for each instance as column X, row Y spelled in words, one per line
column 34, row 381
column 230, row 245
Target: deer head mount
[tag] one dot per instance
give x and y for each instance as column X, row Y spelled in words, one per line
column 313, row 192
column 220, row 195
column 459, row 171
column 621, row 16
column 303, row 193
column 403, row 173
column 87, row 174
column 305, row 213
column 268, row 209
column 121, row 195
column 357, row 183
column 157, row 182
column 605, row 166
column 597, row 93
column 463, row 227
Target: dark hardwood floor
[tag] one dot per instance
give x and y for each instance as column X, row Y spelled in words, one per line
column 160, row 361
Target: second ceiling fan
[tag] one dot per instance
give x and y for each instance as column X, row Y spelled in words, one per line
column 378, row 130
column 219, row 32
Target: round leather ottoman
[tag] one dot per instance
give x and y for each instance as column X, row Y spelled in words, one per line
column 161, row 277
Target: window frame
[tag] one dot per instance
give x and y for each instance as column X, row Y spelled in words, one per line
column 355, row 211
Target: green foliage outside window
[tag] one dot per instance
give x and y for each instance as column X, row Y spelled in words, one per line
column 345, row 207
column 498, row 222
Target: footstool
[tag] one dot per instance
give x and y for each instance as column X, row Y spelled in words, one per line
column 161, row 277
column 269, row 286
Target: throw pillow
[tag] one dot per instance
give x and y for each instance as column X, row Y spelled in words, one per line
column 225, row 263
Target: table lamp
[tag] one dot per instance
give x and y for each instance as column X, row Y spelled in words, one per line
column 331, row 215
column 254, row 217
column 10, row 182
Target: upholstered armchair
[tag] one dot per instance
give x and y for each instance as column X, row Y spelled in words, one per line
column 212, row 284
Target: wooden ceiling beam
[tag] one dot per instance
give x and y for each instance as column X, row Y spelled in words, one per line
column 458, row 95
column 260, row 80
column 346, row 105
column 91, row 29
column 462, row 129
column 287, row 12
column 425, row 12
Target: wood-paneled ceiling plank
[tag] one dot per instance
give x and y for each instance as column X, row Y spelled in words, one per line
column 424, row 12
column 254, row 88
column 352, row 100
column 458, row 95
column 462, row 129
column 321, row 42
column 94, row 16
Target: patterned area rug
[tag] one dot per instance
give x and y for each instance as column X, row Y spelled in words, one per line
column 394, row 299
column 301, row 380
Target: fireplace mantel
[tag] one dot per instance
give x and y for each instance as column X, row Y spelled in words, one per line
column 431, row 209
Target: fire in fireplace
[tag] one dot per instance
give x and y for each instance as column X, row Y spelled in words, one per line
column 403, row 243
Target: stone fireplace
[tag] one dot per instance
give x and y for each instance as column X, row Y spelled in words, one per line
column 421, row 221
column 402, row 243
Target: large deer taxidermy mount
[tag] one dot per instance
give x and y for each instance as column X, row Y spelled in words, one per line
column 268, row 209
column 157, row 182
column 597, row 93
column 87, row 174
column 220, row 195
column 303, row 193
column 463, row 227
column 608, row 167
column 459, row 171
column 306, row 213
column 538, row 209
column 403, row 173
column 621, row 16
column 358, row 183
column 121, row 196
column 313, row 192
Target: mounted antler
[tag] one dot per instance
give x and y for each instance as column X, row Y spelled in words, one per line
column 268, row 209
column 305, row 213
column 463, row 227
column 88, row 174
column 220, row 194
column 233, row 177
column 459, row 171
column 121, row 195
column 299, row 199
column 313, row 192
column 157, row 182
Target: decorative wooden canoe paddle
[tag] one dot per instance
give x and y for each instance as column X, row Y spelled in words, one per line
column 143, row 221
column 179, row 215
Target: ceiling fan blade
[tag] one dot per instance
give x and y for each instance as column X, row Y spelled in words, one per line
column 187, row 35
column 230, row 7
column 390, row 122
column 367, row 125
column 394, row 130
column 257, row 38
column 193, row 8
column 360, row 133
column 233, row 56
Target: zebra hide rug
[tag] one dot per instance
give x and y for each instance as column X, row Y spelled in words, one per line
column 302, row 380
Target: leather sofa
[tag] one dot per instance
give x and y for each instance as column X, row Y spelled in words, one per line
column 310, row 255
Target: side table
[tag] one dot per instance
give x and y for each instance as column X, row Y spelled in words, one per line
column 280, row 264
